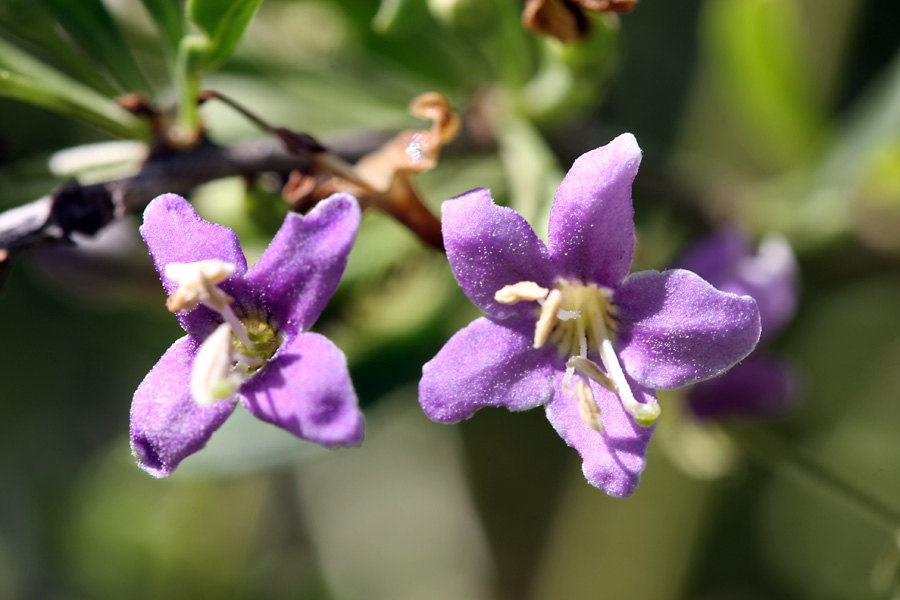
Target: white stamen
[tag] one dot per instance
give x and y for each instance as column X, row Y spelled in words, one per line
column 587, row 406
column 644, row 414
column 197, row 283
column 211, row 377
column 547, row 319
column 237, row 327
column 524, row 290
column 589, row 368
column 567, row 378
column 582, row 338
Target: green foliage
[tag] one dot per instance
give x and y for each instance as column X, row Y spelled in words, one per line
column 92, row 27
column 30, row 21
column 169, row 18
column 25, row 78
column 222, row 24
column 758, row 139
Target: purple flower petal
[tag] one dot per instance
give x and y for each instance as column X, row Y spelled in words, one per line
column 305, row 389
column 677, row 329
column 166, row 424
column 303, row 265
column 612, row 460
column 174, row 232
column 491, row 246
column 756, row 388
column 770, row 276
column 592, row 219
column 487, row 364
column 714, row 257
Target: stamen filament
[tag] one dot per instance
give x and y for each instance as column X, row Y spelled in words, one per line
column 236, row 326
column 582, row 339
column 547, row 319
column 589, row 368
column 644, row 414
column 567, row 378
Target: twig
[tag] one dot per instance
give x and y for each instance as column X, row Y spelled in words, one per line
column 87, row 209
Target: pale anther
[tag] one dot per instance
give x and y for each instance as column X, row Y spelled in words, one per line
column 518, row 292
column 587, row 406
column 211, row 377
column 197, row 284
column 547, row 319
column 589, row 368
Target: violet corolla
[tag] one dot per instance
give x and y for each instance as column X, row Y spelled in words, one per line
column 247, row 332
column 760, row 386
column 568, row 328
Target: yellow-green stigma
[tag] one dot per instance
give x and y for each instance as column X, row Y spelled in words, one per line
column 264, row 342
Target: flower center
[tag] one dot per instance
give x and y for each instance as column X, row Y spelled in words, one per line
column 264, row 341
column 237, row 348
column 581, row 318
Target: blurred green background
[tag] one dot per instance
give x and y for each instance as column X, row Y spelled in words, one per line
column 776, row 115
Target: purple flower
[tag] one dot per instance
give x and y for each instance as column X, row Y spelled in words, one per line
column 568, row 328
column 247, row 332
column 759, row 386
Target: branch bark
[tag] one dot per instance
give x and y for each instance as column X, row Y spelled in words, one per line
column 87, row 209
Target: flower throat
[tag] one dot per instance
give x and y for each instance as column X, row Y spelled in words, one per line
column 237, row 348
column 580, row 318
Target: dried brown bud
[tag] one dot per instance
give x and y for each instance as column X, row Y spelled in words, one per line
column 558, row 18
column 435, row 107
column 564, row 19
column 617, row 6
column 414, row 151
column 383, row 177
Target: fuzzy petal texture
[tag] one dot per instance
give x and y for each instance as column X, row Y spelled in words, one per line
column 757, row 388
column 676, row 329
column 491, row 246
column 174, row 232
column 166, row 424
column 302, row 267
column 305, row 389
column 613, row 460
column 592, row 219
column 488, row 364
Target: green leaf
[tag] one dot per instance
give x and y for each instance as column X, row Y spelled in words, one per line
column 168, row 17
column 31, row 22
column 25, row 78
column 91, row 26
column 222, row 23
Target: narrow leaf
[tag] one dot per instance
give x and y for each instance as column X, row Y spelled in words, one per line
column 169, row 20
column 26, row 78
column 31, row 22
column 223, row 23
column 93, row 28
